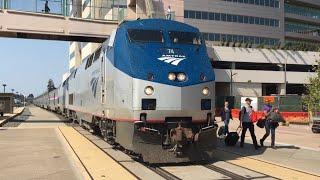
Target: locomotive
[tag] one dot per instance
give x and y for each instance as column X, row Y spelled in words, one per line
column 149, row 88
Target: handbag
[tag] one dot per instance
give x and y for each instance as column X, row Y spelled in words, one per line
column 261, row 123
column 276, row 117
column 274, row 125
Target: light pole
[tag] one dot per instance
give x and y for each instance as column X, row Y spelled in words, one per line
column 285, row 75
column 12, row 90
column 284, row 69
column 231, row 80
column 4, row 88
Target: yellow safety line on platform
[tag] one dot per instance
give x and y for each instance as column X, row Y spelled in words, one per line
column 98, row 164
column 263, row 167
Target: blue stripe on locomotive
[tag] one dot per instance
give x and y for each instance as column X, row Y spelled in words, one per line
column 139, row 59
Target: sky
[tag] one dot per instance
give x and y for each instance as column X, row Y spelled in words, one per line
column 27, row 65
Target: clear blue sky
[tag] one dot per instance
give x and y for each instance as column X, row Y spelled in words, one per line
column 27, row 65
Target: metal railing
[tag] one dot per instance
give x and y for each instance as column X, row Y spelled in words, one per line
column 89, row 9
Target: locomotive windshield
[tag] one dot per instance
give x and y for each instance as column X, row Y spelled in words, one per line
column 177, row 37
column 137, row 35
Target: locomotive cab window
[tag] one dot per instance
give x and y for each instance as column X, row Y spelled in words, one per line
column 153, row 36
column 89, row 61
column 177, row 37
column 97, row 54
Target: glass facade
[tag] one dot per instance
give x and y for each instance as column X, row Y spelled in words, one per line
column 302, row 11
column 239, row 38
column 213, row 16
column 303, row 28
column 268, row 3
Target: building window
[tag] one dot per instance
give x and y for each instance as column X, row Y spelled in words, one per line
column 71, row 55
column 186, row 14
column 240, row 19
column 192, row 14
column 302, row 11
column 217, row 16
column 205, row 15
column 268, row 3
column 239, row 38
column 198, row 14
column 223, row 17
column 212, row 16
column 231, row 18
column 302, row 28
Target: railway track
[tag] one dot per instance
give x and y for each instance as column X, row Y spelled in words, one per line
column 161, row 170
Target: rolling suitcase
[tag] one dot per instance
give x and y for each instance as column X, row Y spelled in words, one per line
column 232, row 138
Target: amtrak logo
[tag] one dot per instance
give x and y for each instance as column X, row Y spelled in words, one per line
column 94, row 84
column 172, row 56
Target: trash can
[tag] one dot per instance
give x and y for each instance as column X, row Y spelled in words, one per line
column 6, row 103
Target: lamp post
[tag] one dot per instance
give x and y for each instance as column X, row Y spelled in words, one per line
column 12, row 90
column 4, row 88
column 285, row 75
column 284, row 69
column 231, row 80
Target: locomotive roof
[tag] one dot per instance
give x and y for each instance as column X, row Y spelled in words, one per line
column 159, row 24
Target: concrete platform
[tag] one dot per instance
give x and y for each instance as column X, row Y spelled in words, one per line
column 35, row 154
column 7, row 116
column 38, row 145
column 297, row 148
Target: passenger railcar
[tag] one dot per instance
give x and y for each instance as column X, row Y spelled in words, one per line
column 150, row 88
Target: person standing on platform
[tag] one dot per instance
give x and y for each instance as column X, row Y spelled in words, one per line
column 246, row 119
column 226, row 115
column 46, row 7
column 169, row 13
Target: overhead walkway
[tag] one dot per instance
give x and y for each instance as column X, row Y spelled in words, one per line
column 64, row 21
column 19, row 24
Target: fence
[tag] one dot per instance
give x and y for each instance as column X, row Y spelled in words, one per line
column 291, row 107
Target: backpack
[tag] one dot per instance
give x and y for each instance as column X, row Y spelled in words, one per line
column 241, row 111
column 254, row 117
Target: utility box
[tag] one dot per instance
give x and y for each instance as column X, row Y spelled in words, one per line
column 6, row 103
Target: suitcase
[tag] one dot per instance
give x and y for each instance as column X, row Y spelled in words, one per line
column 220, row 131
column 232, row 138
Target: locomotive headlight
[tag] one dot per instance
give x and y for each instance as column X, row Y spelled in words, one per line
column 205, row 91
column 148, row 90
column 171, row 76
column 181, row 77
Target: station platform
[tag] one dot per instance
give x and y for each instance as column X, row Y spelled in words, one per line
column 7, row 116
column 40, row 145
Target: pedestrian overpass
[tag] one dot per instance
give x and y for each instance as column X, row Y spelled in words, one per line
column 30, row 25
column 72, row 20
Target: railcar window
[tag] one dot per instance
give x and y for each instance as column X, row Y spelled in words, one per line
column 184, row 38
column 89, row 61
column 136, row 35
column 97, row 54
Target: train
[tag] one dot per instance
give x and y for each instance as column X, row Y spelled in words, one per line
column 148, row 88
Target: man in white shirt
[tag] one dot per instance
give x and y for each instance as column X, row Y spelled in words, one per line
column 168, row 13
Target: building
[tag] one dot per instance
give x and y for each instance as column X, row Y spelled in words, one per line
column 261, row 23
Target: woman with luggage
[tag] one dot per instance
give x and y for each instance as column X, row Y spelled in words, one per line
column 226, row 115
column 247, row 118
column 273, row 117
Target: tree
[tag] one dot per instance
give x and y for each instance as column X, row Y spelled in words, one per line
column 313, row 89
column 223, row 40
column 50, row 85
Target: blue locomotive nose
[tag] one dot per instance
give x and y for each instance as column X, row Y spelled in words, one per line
column 163, row 51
